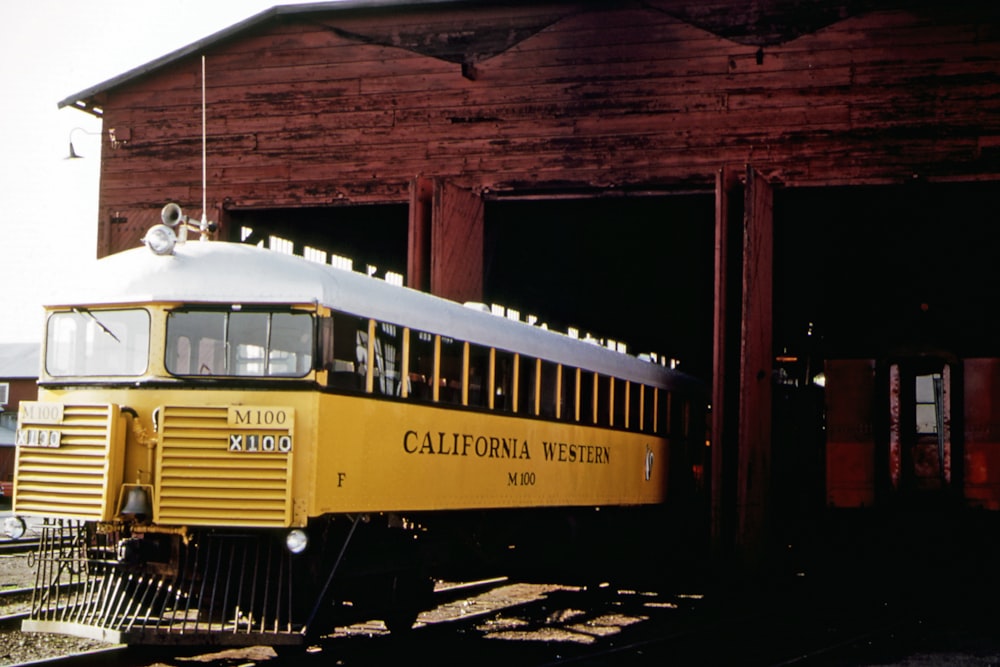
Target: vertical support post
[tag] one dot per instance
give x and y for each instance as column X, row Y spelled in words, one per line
column 436, row 391
column 370, row 363
column 728, row 206
column 756, row 365
column 457, row 237
column 446, row 236
column 491, row 385
column 419, row 241
column 465, row 373
column 404, row 373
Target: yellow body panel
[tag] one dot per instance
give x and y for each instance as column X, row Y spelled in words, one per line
column 332, row 453
column 379, row 455
column 67, row 461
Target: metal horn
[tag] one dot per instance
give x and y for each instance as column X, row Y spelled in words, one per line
column 172, row 215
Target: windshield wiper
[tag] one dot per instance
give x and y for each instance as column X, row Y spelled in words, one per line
column 105, row 329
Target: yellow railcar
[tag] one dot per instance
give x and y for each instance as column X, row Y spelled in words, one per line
column 232, row 445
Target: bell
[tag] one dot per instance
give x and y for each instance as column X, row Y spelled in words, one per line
column 136, row 502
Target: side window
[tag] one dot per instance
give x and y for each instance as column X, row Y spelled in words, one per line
column 479, row 375
column 526, row 386
column 635, row 413
column 664, row 408
column 620, row 391
column 503, row 382
column 587, row 387
column 452, row 353
column 648, row 408
column 549, row 381
column 603, row 400
column 388, row 358
column 421, row 365
column 349, row 358
column 567, row 394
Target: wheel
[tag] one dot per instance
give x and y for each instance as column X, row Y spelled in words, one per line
column 411, row 593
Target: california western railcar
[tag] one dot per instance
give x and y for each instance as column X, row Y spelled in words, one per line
column 232, row 445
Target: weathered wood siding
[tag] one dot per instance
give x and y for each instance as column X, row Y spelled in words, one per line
column 352, row 106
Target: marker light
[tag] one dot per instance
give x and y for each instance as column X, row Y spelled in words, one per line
column 296, row 540
column 14, row 527
column 161, row 239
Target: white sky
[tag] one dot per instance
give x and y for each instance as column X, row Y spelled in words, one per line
column 49, row 50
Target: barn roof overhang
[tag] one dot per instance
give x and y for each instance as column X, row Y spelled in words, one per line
column 757, row 22
column 89, row 99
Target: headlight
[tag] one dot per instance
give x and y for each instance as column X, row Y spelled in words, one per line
column 14, row 527
column 296, row 540
column 160, row 239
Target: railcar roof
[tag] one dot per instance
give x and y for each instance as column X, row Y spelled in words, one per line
column 232, row 273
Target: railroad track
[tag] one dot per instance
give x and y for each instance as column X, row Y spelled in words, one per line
column 121, row 656
column 13, row 547
column 495, row 623
column 14, row 604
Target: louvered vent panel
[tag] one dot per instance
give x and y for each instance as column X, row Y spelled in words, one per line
column 74, row 476
column 202, row 482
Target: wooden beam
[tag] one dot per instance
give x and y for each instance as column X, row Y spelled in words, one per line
column 456, row 268
column 728, row 210
column 419, row 235
column 756, row 363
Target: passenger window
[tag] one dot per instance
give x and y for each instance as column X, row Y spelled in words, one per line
column 479, row 374
column 388, row 358
column 549, row 380
column 587, row 414
column 648, row 408
column 421, row 365
column 350, row 352
column 603, row 400
column 635, row 414
column 526, row 386
column 663, row 413
column 503, row 382
column 568, row 397
column 619, row 391
column 451, row 371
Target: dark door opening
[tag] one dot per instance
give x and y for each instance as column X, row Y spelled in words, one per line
column 876, row 269
column 637, row 269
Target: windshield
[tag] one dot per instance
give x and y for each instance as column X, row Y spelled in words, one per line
column 82, row 342
column 239, row 343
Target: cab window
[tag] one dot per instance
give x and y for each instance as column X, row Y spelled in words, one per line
column 82, row 342
column 239, row 343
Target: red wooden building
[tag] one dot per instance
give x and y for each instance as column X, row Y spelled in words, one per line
column 724, row 182
column 18, row 382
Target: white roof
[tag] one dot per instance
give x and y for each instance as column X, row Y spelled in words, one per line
column 203, row 272
column 19, row 360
